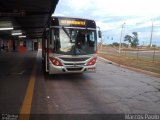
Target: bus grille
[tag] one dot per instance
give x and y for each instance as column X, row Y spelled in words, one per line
column 75, row 59
column 74, row 69
column 73, row 64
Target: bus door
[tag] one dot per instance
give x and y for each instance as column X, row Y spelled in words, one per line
column 46, row 50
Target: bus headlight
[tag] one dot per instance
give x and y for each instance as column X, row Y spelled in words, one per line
column 92, row 61
column 55, row 61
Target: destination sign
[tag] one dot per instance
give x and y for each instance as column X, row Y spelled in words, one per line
column 72, row 22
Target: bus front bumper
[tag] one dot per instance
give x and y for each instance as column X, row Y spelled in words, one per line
column 64, row 69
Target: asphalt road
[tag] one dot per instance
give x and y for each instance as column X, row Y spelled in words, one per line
column 15, row 71
column 111, row 89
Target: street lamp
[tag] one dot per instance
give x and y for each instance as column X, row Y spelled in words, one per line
column 151, row 35
column 123, row 27
column 154, row 25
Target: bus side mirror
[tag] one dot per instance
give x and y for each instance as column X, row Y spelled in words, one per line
column 99, row 34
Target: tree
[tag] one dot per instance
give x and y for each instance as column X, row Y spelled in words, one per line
column 115, row 44
column 133, row 40
column 124, row 44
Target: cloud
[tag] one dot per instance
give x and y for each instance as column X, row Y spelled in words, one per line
column 107, row 9
column 80, row 6
column 111, row 14
column 116, row 7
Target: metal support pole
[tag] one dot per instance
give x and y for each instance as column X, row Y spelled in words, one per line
column 121, row 37
column 151, row 35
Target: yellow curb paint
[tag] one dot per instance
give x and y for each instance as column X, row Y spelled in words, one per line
column 27, row 102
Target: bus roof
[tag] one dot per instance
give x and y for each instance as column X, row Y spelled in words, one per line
column 65, row 17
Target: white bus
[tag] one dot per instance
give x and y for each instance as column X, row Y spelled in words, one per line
column 69, row 45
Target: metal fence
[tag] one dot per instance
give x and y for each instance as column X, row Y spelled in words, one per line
column 138, row 54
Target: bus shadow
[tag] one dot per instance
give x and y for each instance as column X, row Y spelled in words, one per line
column 65, row 77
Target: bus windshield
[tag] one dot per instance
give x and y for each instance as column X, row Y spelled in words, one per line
column 69, row 41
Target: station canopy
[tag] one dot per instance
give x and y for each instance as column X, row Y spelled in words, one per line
column 28, row 16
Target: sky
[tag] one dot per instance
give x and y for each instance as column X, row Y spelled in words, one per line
column 110, row 15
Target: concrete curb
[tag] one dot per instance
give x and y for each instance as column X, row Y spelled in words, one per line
column 131, row 68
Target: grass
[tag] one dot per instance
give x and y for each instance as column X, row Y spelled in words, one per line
column 133, row 62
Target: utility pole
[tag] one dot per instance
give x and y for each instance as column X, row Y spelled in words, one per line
column 121, row 37
column 151, row 35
